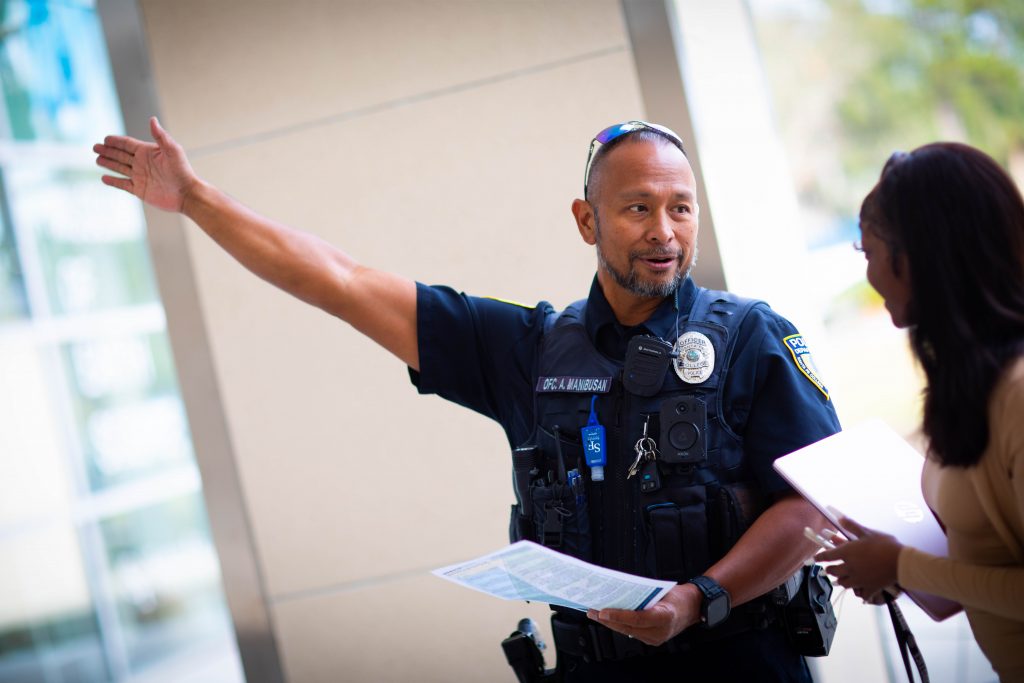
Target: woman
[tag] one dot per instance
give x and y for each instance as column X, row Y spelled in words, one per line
column 943, row 235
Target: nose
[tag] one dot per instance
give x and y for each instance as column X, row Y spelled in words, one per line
column 660, row 229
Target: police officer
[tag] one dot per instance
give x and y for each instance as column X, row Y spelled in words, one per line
column 688, row 395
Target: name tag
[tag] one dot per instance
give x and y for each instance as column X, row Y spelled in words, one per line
column 577, row 385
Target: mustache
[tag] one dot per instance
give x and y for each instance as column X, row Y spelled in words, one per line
column 656, row 253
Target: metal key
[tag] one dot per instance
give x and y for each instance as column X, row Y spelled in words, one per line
column 641, row 457
column 646, row 451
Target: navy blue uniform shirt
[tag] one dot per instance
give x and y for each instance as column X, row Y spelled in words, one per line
column 481, row 354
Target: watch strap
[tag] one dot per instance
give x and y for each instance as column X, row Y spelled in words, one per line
column 716, row 603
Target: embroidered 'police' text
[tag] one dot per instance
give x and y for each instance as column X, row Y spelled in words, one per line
column 802, row 357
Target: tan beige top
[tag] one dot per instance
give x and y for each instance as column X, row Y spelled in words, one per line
column 982, row 508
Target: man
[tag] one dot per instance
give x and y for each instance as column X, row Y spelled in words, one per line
column 644, row 420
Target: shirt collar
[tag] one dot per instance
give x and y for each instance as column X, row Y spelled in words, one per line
column 611, row 337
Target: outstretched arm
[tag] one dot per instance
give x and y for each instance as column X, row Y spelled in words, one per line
column 378, row 304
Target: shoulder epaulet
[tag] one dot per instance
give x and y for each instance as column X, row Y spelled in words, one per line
column 573, row 313
column 724, row 308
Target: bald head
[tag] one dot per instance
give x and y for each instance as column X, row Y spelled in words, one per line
column 597, row 166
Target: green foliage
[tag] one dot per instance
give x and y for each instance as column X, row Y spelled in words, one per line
column 937, row 69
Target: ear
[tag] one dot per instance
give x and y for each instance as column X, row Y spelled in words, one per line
column 583, row 212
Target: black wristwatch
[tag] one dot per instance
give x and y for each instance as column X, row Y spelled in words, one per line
column 714, row 609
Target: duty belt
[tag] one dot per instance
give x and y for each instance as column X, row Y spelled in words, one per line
column 578, row 636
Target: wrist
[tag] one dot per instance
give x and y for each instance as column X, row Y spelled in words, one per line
column 686, row 600
column 193, row 196
column 897, row 557
column 715, row 604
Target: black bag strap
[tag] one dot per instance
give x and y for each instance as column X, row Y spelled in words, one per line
column 906, row 641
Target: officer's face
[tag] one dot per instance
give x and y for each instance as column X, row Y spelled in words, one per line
column 642, row 218
column 893, row 286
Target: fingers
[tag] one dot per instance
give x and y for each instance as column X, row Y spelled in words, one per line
column 877, row 598
column 650, row 635
column 159, row 134
column 122, row 142
column 870, row 597
column 115, row 166
column 834, row 537
column 830, row 555
column 857, row 529
column 837, row 571
column 119, row 183
column 622, row 617
column 647, row 626
column 114, row 153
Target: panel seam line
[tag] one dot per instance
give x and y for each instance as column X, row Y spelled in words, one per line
column 349, row 586
column 397, row 103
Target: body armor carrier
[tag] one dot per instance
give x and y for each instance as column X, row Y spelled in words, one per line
column 688, row 514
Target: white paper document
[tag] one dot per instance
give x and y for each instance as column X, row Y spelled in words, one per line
column 528, row 571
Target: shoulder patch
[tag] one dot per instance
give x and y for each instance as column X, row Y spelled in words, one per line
column 802, row 357
column 508, row 301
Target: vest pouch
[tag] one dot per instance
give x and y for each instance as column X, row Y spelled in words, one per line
column 555, row 513
column 559, row 521
column 520, row 528
column 677, row 535
column 732, row 508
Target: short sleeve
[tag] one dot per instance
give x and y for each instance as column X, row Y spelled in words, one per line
column 478, row 352
column 778, row 401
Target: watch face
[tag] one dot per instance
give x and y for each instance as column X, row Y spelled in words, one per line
column 718, row 610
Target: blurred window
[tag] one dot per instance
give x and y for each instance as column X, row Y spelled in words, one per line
column 107, row 569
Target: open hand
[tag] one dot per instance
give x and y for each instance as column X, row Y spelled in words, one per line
column 157, row 173
column 868, row 564
column 678, row 610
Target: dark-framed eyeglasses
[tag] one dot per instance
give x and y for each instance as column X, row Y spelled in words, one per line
column 617, row 131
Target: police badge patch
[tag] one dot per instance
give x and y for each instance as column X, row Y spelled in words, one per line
column 802, row 357
column 696, row 359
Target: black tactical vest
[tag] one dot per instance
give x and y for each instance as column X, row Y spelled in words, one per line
column 699, row 510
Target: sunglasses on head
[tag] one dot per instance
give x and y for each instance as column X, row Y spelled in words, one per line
column 617, row 131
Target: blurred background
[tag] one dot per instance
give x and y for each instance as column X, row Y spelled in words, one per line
column 201, row 480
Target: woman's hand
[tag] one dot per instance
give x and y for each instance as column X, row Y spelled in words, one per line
column 868, row 564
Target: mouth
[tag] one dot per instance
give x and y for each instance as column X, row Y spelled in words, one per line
column 658, row 262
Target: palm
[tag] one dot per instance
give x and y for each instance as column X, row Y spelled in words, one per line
column 157, row 173
column 157, row 178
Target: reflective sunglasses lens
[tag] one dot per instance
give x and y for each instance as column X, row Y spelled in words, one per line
column 618, row 130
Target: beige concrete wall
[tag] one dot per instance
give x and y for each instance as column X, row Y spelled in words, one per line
column 442, row 140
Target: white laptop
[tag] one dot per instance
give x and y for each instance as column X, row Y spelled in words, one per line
column 871, row 475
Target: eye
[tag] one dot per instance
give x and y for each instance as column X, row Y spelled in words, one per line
column 637, row 208
column 684, row 208
column 859, row 246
